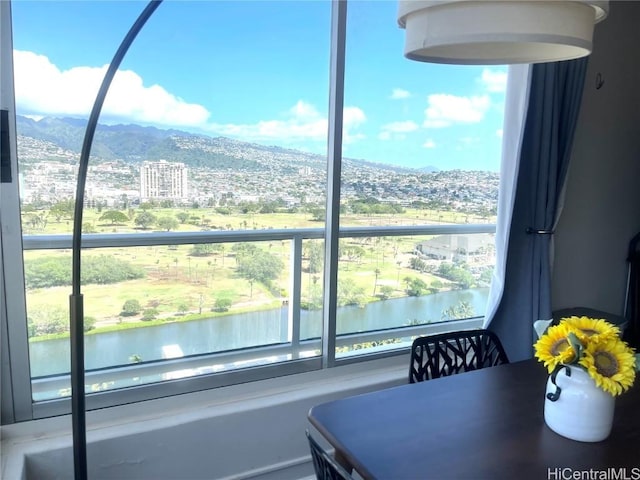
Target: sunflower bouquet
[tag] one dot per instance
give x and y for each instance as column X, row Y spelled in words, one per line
column 592, row 344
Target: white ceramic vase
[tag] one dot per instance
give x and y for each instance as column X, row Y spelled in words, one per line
column 582, row 411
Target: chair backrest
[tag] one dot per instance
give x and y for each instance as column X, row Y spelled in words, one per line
column 326, row 467
column 449, row 353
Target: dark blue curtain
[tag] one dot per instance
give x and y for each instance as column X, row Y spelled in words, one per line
column 554, row 104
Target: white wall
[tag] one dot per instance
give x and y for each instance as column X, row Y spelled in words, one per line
column 602, row 206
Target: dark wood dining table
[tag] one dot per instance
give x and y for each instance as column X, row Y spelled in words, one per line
column 484, row 424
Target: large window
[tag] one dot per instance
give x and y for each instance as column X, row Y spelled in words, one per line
column 426, row 152
column 204, row 225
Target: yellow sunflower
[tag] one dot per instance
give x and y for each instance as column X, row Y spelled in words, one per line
column 553, row 347
column 611, row 363
column 591, row 329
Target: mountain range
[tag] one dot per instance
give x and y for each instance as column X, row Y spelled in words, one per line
column 134, row 143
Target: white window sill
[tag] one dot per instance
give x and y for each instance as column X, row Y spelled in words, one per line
column 252, row 430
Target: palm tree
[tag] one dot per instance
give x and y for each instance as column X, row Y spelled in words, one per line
column 375, row 283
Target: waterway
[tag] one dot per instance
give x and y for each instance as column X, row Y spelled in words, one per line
column 242, row 330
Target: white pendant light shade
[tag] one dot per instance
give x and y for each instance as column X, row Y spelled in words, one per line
column 494, row 32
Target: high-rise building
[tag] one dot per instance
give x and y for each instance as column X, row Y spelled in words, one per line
column 162, row 179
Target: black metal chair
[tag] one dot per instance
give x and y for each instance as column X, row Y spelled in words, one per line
column 449, row 353
column 326, row 467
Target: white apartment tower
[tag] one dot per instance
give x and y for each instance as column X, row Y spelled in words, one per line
column 162, row 179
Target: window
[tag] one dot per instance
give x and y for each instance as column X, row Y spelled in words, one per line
column 205, row 206
column 431, row 136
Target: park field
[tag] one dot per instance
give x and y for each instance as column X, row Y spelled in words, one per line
column 178, row 285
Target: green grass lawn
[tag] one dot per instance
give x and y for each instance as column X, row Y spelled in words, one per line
column 177, row 283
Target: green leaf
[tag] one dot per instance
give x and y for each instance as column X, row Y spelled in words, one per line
column 577, row 346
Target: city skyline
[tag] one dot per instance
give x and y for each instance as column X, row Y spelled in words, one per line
column 257, row 81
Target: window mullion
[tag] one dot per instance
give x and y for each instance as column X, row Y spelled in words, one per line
column 12, row 276
column 334, row 173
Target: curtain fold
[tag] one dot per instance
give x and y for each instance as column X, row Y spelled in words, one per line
column 555, row 95
column 516, row 101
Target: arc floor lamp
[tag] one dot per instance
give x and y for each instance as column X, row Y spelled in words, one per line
column 472, row 32
column 76, row 304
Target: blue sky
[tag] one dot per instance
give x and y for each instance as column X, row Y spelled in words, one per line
column 258, row 71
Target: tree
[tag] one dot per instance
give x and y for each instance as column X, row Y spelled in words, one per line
column 244, row 249
column 52, row 271
column 386, row 292
column 183, row 308
column 251, row 281
column 418, row 264
column 149, row 314
column 131, row 307
column 89, row 323
column 318, row 214
column 416, row 287
column 145, row 219
column 222, row 304
column 114, row 216
column 167, row 223
column 352, row 252
column 202, row 250
column 315, row 255
column 259, row 266
column 47, row 321
column 375, row 282
column 486, row 275
column 63, row 208
column 459, row 311
column 457, row 274
column 87, row 227
column 36, row 221
column 314, row 299
column 182, row 217
column 349, row 293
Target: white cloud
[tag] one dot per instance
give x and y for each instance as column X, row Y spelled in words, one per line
column 401, row 127
column 429, row 143
column 445, row 110
column 494, row 81
column 399, row 94
column 397, row 130
column 302, row 122
column 43, row 89
column 499, row 133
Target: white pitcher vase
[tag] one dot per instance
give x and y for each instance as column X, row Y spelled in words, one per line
column 575, row 407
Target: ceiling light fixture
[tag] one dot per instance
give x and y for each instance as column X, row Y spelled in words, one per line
column 498, row 32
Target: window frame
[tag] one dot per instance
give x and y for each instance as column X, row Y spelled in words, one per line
column 17, row 388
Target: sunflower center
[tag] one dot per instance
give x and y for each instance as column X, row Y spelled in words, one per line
column 606, row 364
column 588, row 331
column 559, row 346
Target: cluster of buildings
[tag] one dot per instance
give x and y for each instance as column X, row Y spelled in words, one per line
column 48, row 175
column 476, row 249
column 244, row 173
